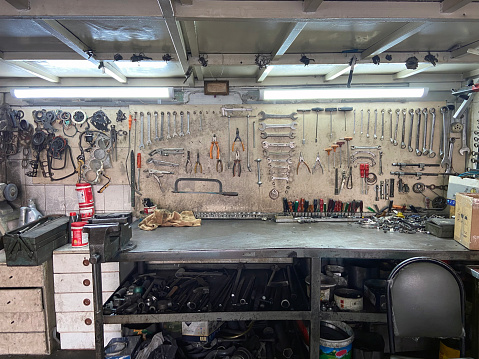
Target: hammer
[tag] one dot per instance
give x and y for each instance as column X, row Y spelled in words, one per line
column 303, row 112
column 317, row 110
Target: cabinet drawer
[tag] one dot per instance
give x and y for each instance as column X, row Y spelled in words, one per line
column 21, row 277
column 22, row 322
column 84, row 340
column 21, row 300
column 77, row 263
column 76, row 302
column 23, row 343
column 80, row 322
column 82, row 282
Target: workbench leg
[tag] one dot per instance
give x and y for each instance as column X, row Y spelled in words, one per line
column 315, row 323
column 98, row 311
column 475, row 320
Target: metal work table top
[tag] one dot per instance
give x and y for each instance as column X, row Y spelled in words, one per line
column 243, row 239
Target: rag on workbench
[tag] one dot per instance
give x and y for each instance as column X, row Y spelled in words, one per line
column 165, row 218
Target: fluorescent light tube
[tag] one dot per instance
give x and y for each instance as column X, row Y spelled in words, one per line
column 94, row 92
column 344, row 93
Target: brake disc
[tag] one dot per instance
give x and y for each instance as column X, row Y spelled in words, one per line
column 100, row 120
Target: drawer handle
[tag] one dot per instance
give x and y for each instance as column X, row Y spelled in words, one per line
column 86, row 302
column 88, row 321
column 86, row 282
column 86, row 262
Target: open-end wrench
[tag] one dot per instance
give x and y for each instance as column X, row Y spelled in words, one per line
column 248, row 165
column 201, row 121
column 188, row 123
column 265, row 135
column 263, row 126
column 382, row 124
column 267, row 144
column 168, row 126
column 432, row 111
column 375, row 124
column 174, row 124
column 142, row 130
column 449, row 168
column 390, row 125
column 259, row 183
column 181, row 123
column 443, row 142
column 369, row 117
column 366, row 147
column 395, row 139
column 464, row 149
column 409, row 147
column 264, row 116
column 418, row 114
column 361, row 122
column 354, row 123
column 148, row 128
column 403, row 134
column 425, row 150
column 273, row 178
column 162, row 125
column 273, row 160
column 157, row 138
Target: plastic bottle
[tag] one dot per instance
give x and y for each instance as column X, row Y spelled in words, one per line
column 33, row 213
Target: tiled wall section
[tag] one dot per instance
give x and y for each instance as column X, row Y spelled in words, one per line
column 62, row 199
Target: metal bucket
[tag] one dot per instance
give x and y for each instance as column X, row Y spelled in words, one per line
column 336, row 340
column 327, row 287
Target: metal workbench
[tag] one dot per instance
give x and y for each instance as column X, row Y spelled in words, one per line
column 244, row 240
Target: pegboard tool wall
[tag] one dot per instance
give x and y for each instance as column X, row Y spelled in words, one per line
column 251, row 196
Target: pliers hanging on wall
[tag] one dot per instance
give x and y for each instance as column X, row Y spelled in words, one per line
column 237, row 138
column 219, row 163
column 317, row 163
column 237, row 165
column 188, row 165
column 198, row 164
column 301, row 160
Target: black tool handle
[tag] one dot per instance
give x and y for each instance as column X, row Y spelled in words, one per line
column 232, row 194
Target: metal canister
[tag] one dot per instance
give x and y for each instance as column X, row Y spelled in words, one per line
column 348, row 299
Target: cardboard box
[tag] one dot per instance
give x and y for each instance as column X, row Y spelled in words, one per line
column 466, row 226
column 199, row 331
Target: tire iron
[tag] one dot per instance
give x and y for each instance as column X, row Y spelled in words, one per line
column 331, row 110
column 317, row 110
column 344, row 110
column 303, row 112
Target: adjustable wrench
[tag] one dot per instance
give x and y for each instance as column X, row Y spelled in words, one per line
column 188, row 123
column 403, row 135
column 174, row 124
column 142, row 130
column 395, row 141
column 162, row 124
column 375, row 124
column 181, row 123
column 148, row 128
column 168, row 126
column 449, row 158
column 425, row 150
column 418, row 113
column 409, row 147
column 432, row 111
column 382, row 124
column 443, row 142
column 390, row 125
column 156, row 127
column 464, row 149
column 369, row 117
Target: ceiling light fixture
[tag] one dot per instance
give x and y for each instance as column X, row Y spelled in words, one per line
column 93, row 92
column 343, row 93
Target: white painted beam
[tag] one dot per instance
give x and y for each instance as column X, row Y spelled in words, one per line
column 191, row 37
column 407, row 73
column 263, row 73
column 401, row 34
column 471, row 74
column 113, row 71
column 34, row 69
column 20, row 4
column 311, row 5
column 336, row 72
column 450, row 6
column 464, row 50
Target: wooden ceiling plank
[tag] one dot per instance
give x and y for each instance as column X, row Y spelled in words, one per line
column 450, row 6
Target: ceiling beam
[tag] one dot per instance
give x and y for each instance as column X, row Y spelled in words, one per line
column 191, row 37
column 401, row 34
column 450, row 6
column 263, row 73
column 33, row 69
column 408, row 73
column 311, row 5
column 471, row 74
column 338, row 71
column 464, row 50
column 20, row 4
column 74, row 43
column 176, row 35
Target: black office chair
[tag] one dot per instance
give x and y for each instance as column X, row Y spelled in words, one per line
column 425, row 298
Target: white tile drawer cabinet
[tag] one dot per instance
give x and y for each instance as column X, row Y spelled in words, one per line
column 27, row 312
column 74, row 297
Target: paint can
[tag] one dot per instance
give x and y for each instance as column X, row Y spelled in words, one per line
column 86, row 212
column 348, row 299
column 336, row 340
column 327, row 287
column 79, row 239
column 84, row 193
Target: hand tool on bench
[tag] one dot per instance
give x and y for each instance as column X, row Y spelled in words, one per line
column 317, row 110
column 220, row 191
column 330, row 110
column 303, row 112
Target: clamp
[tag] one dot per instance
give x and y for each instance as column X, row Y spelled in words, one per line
column 188, row 165
column 237, row 138
column 237, row 164
column 198, row 163
column 214, row 143
column 318, row 163
column 301, row 160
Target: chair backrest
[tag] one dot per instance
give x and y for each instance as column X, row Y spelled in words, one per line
column 425, row 299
